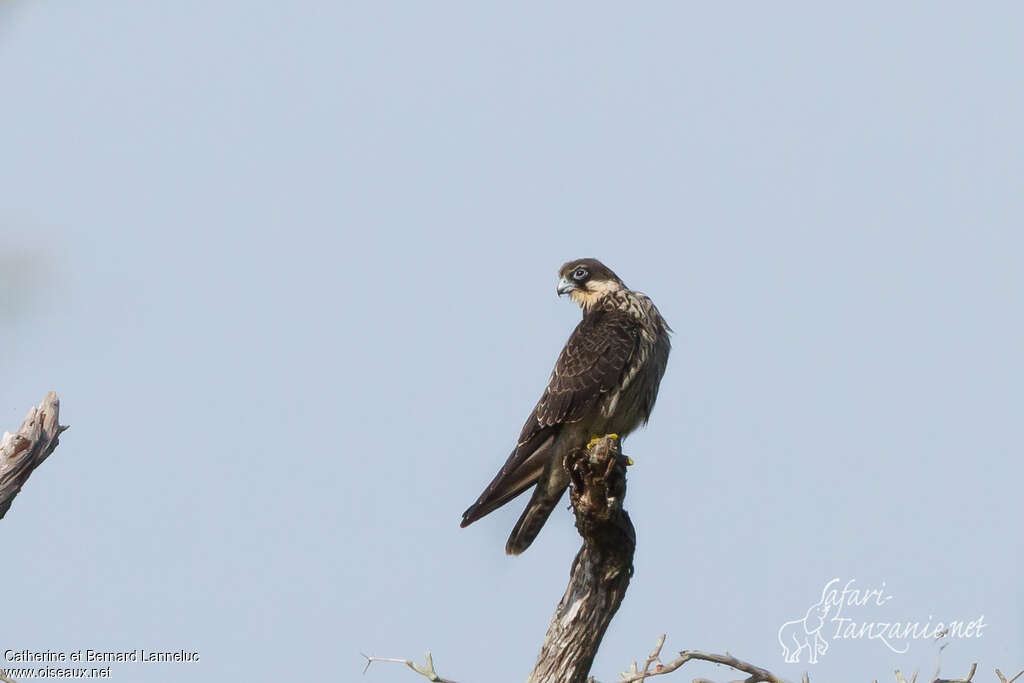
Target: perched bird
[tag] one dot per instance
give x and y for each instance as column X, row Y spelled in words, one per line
column 604, row 382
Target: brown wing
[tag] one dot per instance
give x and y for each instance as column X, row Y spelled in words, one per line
column 591, row 364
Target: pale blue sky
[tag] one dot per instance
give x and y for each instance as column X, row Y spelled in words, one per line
column 291, row 268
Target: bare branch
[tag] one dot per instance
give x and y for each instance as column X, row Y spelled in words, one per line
column 655, row 656
column 427, row 671
column 4, row 678
column 970, row 675
column 901, row 679
column 757, row 674
column 22, row 452
column 1002, row 678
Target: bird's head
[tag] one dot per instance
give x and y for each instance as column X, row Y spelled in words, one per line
column 586, row 281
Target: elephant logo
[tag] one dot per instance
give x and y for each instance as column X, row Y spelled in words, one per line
column 800, row 634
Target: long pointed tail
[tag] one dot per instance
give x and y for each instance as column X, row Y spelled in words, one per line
column 538, row 510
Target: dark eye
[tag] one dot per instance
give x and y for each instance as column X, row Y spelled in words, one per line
column 579, row 274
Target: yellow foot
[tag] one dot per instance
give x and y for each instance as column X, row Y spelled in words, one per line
column 593, row 442
column 629, row 461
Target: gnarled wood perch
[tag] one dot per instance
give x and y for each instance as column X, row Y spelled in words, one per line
column 25, row 450
column 601, row 571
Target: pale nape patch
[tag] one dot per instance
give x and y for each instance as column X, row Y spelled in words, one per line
column 594, row 291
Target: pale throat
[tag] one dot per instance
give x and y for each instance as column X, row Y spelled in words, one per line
column 592, row 292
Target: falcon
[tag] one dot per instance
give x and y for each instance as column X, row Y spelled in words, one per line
column 605, row 382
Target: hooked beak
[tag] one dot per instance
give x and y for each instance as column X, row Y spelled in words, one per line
column 565, row 286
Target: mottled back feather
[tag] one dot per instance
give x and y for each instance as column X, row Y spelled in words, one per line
column 591, row 364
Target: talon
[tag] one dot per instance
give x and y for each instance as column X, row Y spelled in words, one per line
column 593, row 442
column 629, row 461
column 613, row 436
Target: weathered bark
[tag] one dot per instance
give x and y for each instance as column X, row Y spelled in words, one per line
column 601, row 571
column 24, row 451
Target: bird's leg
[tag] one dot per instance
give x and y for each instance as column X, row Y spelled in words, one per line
column 597, row 439
column 593, row 442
